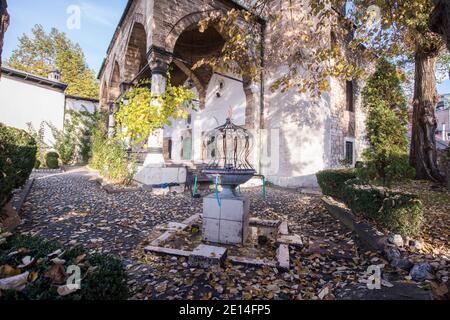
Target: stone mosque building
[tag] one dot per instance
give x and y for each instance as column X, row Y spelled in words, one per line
column 295, row 135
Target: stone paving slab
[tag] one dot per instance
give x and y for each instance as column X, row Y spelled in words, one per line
column 205, row 256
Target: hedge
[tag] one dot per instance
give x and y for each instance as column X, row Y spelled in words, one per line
column 103, row 277
column 17, row 160
column 52, row 160
column 398, row 212
column 333, row 182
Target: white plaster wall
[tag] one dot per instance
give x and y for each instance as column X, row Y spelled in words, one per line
column 297, row 127
column 21, row 102
column 214, row 115
column 81, row 105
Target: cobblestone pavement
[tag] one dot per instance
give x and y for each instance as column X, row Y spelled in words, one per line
column 72, row 208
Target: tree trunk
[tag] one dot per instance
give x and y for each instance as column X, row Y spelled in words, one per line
column 4, row 23
column 440, row 20
column 423, row 155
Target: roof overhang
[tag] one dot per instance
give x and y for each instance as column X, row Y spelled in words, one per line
column 33, row 79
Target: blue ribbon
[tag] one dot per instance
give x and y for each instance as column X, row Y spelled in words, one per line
column 217, row 192
column 264, row 192
column 195, row 187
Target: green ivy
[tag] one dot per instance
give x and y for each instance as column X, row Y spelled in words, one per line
column 145, row 113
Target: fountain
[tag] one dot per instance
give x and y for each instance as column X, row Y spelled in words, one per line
column 226, row 214
column 228, row 232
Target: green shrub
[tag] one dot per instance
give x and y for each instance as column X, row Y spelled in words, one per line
column 37, row 164
column 52, row 160
column 397, row 212
column 332, row 182
column 103, row 276
column 110, row 157
column 386, row 158
column 17, row 159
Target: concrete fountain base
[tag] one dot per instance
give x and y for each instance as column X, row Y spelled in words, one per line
column 227, row 223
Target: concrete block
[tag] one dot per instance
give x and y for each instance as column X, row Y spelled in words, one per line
column 283, row 228
column 283, row 257
column 157, row 176
column 211, row 229
column 292, row 240
column 232, row 209
column 231, row 232
column 206, row 256
column 168, row 251
column 211, row 208
column 175, row 226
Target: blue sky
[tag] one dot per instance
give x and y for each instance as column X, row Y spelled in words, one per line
column 99, row 19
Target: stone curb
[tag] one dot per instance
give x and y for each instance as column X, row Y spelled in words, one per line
column 24, row 194
column 368, row 234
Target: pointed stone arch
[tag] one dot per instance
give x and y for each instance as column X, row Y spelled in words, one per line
column 114, row 84
column 135, row 52
column 251, row 89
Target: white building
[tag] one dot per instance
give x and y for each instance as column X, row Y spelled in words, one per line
column 443, row 118
column 27, row 98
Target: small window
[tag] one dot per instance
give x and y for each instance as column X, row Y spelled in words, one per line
column 350, row 96
column 189, row 119
column 349, row 152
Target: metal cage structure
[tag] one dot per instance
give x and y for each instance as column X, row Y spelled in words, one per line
column 230, row 165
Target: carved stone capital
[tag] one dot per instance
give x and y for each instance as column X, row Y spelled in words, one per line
column 159, row 60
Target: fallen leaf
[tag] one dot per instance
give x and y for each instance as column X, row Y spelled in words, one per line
column 58, row 261
column 80, row 258
column 7, row 271
column 16, row 283
column 26, row 262
column 57, row 274
column 33, row 276
column 57, row 253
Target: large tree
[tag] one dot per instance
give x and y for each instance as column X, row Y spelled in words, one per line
column 440, row 20
column 4, row 23
column 43, row 53
column 405, row 30
column 391, row 28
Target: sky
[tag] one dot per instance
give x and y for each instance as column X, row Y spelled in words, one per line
column 98, row 21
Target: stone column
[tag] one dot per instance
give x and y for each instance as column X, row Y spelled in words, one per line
column 197, row 138
column 159, row 63
column 111, row 120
